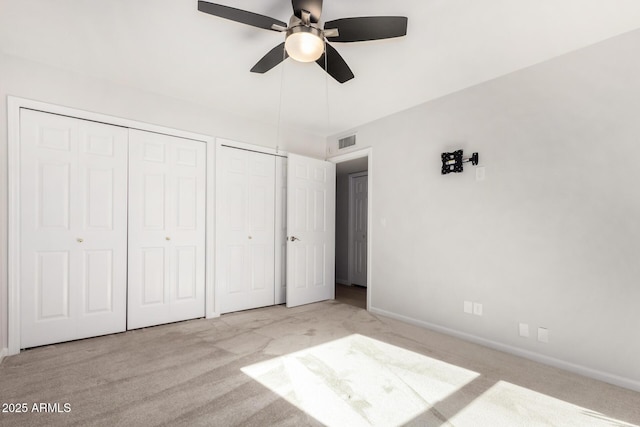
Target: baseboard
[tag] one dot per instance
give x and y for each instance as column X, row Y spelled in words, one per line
column 342, row 282
column 536, row 357
column 3, row 353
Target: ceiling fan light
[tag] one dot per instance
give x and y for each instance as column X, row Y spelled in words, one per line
column 304, row 44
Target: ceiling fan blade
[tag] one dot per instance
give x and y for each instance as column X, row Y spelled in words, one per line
column 367, row 28
column 239, row 15
column 335, row 65
column 271, row 59
column 314, row 7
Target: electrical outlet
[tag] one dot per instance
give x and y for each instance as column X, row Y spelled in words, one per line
column 468, row 307
column 524, row 329
column 477, row 309
column 543, row 335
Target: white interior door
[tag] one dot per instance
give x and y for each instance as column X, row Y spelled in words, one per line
column 73, row 178
column 311, row 193
column 246, row 229
column 358, row 228
column 166, row 229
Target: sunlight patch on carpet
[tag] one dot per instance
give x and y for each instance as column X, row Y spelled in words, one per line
column 506, row 404
column 357, row 380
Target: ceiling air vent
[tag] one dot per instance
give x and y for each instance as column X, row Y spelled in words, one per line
column 349, row 141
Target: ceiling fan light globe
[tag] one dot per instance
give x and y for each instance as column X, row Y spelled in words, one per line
column 304, row 46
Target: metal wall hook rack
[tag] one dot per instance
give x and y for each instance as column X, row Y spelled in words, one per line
column 452, row 162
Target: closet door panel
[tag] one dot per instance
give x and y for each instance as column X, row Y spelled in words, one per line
column 153, row 271
column 166, row 229
column 187, row 206
column 153, row 197
column 98, row 281
column 53, row 191
column 73, row 230
column 52, row 285
column 188, row 238
column 245, row 223
column 186, row 283
column 102, row 227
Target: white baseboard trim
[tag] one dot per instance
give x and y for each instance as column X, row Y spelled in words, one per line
column 3, row 353
column 343, row 282
column 536, row 357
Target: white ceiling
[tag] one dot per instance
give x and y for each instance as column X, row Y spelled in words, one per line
column 168, row 47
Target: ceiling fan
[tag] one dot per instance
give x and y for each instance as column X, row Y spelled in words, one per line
column 307, row 39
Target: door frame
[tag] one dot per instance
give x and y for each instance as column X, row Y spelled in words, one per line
column 351, row 237
column 14, row 104
column 357, row 154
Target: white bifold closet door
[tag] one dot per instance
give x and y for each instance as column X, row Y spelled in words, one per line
column 245, row 259
column 166, row 229
column 73, row 205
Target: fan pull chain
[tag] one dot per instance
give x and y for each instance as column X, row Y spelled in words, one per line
column 284, row 56
column 326, row 87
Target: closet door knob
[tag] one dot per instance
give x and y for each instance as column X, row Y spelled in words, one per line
column 167, row 238
column 250, row 237
column 80, row 240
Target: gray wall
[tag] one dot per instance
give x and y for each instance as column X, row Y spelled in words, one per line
column 43, row 83
column 550, row 238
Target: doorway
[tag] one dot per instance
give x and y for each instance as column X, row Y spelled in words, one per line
column 352, row 213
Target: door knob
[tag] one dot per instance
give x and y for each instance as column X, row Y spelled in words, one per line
column 294, row 238
column 250, row 237
column 167, row 238
column 80, row 240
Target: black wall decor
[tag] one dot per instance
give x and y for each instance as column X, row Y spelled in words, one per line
column 452, row 162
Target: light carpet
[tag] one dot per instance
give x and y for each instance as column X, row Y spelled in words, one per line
column 321, row 364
